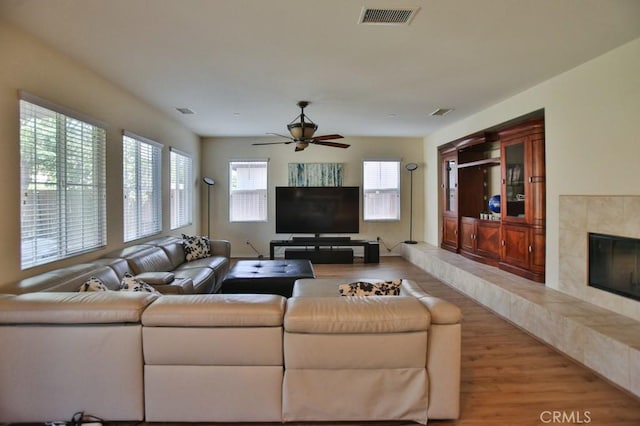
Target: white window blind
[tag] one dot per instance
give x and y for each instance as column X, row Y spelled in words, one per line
column 181, row 189
column 381, row 189
column 141, row 160
column 63, row 184
column 248, row 191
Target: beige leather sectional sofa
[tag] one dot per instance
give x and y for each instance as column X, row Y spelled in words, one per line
column 230, row 358
column 160, row 262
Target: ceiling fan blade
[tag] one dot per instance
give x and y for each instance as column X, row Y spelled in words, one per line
column 332, row 144
column 327, row 137
column 272, row 143
column 278, row 134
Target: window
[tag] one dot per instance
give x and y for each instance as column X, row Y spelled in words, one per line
column 62, row 183
column 248, row 191
column 381, row 189
column 141, row 159
column 181, row 189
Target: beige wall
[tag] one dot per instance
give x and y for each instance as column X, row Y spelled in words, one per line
column 592, row 139
column 29, row 65
column 217, row 152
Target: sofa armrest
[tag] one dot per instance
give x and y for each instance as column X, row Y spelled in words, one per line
column 220, row 248
column 156, row 278
column 177, row 286
column 442, row 312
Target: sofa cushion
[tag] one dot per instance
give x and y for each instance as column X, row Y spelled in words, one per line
column 131, row 283
column 381, row 314
column 216, row 310
column 195, row 247
column 102, row 307
column 93, row 284
column 212, row 262
column 150, row 259
column 365, row 288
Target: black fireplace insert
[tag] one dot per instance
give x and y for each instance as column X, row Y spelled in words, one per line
column 614, row 264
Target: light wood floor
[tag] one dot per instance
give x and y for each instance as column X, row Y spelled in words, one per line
column 508, row 377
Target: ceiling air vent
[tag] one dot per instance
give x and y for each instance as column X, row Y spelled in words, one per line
column 388, row 16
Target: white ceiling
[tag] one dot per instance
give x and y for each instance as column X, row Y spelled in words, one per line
column 242, row 65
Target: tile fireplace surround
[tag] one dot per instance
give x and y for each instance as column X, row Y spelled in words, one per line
column 579, row 215
column 599, row 338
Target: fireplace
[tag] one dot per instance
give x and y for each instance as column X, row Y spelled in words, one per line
column 614, row 264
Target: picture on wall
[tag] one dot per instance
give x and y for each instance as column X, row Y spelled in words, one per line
column 315, row 174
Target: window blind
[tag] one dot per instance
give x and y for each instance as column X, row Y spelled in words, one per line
column 181, row 188
column 141, row 160
column 381, row 189
column 63, row 184
column 248, row 191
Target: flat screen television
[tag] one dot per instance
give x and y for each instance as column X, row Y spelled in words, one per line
column 317, row 210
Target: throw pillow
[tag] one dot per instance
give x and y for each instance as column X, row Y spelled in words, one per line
column 130, row 283
column 195, row 247
column 93, row 284
column 362, row 288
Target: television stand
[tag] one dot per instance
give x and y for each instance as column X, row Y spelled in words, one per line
column 324, row 248
column 320, row 239
column 318, row 255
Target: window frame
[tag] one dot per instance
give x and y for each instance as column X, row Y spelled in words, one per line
column 264, row 192
column 76, row 187
column 397, row 190
column 155, row 189
column 181, row 204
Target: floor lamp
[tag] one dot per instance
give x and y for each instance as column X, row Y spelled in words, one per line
column 209, row 181
column 411, row 167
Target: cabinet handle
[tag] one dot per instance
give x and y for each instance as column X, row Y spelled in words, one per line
column 455, row 232
column 530, row 179
column 503, row 243
column 530, row 249
column 504, row 181
column 442, row 186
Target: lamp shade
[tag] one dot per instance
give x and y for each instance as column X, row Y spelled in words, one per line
column 298, row 132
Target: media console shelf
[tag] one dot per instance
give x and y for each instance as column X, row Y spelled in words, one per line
column 326, row 249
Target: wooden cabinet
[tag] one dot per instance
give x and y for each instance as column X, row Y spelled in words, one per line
column 449, row 188
column 450, row 233
column 480, row 240
column 523, row 194
column 514, row 155
column 523, row 251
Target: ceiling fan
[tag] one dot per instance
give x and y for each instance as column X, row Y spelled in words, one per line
column 302, row 133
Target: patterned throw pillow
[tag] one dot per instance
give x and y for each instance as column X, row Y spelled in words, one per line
column 93, row 284
column 130, row 283
column 361, row 288
column 195, row 247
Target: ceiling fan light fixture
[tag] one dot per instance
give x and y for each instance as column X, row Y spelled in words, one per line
column 299, row 132
column 301, row 146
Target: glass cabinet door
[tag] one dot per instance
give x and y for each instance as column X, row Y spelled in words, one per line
column 450, row 185
column 515, row 189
